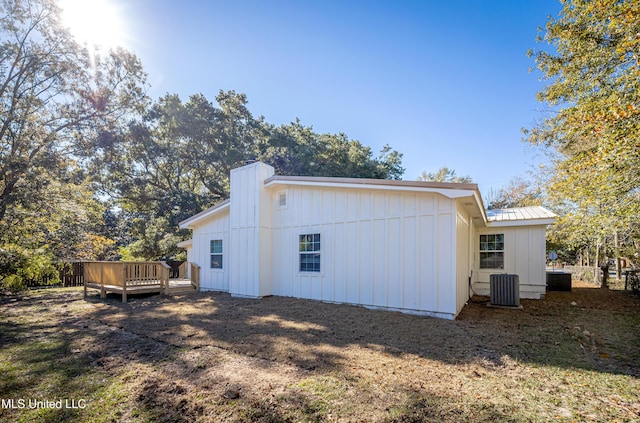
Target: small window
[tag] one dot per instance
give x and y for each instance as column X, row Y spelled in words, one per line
column 216, row 253
column 492, row 251
column 282, row 199
column 309, row 248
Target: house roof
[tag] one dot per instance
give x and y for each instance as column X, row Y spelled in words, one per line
column 188, row 223
column 447, row 189
column 534, row 215
column 185, row 244
column 524, row 216
column 366, row 182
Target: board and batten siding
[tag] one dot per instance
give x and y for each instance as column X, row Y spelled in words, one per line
column 464, row 257
column 379, row 248
column 524, row 255
column 250, row 235
column 203, row 234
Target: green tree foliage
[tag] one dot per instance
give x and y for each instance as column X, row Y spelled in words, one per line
column 54, row 96
column 176, row 161
column 19, row 266
column 295, row 149
column 594, row 89
column 89, row 169
column 517, row 193
column 444, row 174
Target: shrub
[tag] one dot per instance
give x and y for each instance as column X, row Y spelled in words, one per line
column 20, row 267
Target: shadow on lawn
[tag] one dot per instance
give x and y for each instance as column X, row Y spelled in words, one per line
column 598, row 333
column 39, row 363
column 275, row 334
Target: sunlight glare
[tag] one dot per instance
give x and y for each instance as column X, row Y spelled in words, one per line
column 96, row 23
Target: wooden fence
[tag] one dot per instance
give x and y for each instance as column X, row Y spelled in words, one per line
column 589, row 274
column 70, row 273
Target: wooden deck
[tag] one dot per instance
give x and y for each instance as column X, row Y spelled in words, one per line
column 138, row 278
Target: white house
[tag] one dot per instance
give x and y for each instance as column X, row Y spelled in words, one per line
column 416, row 247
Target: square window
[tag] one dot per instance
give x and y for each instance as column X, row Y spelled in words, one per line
column 216, row 261
column 216, row 246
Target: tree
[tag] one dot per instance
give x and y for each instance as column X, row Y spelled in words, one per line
column 517, row 193
column 296, row 149
column 594, row 93
column 444, row 174
column 54, row 96
column 173, row 163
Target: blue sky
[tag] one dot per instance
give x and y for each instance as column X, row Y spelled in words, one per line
column 444, row 82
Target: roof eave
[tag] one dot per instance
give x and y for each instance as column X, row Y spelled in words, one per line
column 211, row 211
column 185, row 244
column 521, row 222
column 448, row 190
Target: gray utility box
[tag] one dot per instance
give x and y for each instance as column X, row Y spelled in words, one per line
column 557, row 281
column 504, row 290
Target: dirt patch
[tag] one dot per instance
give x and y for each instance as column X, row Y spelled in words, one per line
column 210, row 357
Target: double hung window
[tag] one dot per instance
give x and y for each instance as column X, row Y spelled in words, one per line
column 215, row 248
column 492, row 251
column 309, row 250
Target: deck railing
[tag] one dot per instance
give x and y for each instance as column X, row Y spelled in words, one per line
column 183, row 270
column 195, row 276
column 138, row 276
column 125, row 275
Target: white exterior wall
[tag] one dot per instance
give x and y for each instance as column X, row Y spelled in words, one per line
column 464, row 258
column 524, row 255
column 379, row 248
column 215, row 228
column 382, row 247
column 250, row 234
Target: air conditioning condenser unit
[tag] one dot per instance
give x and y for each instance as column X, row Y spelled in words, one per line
column 504, row 290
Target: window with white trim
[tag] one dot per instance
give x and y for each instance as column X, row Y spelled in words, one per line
column 215, row 248
column 309, row 250
column 492, row 251
column 282, row 199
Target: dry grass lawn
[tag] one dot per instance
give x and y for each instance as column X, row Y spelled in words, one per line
column 574, row 356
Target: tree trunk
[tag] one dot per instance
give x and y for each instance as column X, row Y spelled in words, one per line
column 618, row 261
column 596, row 268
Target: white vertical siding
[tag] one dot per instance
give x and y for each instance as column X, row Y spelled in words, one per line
column 379, row 248
column 250, row 237
column 379, row 257
column 216, row 228
column 393, row 256
column 446, row 258
column 428, row 295
column 463, row 265
column 337, row 261
column 524, row 255
column 409, row 262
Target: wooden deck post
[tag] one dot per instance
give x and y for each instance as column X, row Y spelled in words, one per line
column 123, row 278
column 195, row 276
column 84, row 281
column 103, row 293
column 164, row 269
